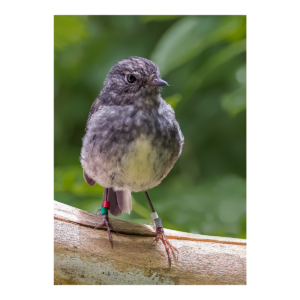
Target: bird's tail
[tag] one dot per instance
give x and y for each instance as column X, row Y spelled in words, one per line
column 120, row 201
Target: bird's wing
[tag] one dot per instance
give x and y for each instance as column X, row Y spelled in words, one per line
column 88, row 179
column 95, row 106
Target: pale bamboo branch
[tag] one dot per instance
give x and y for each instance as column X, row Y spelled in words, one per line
column 83, row 255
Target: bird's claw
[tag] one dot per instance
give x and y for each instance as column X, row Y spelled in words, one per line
column 108, row 225
column 160, row 235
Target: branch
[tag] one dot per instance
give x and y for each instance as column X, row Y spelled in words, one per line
column 83, row 255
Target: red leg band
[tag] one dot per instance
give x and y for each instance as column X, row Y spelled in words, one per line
column 106, row 204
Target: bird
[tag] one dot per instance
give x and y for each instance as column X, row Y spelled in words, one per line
column 132, row 140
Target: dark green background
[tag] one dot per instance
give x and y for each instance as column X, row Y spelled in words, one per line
column 203, row 58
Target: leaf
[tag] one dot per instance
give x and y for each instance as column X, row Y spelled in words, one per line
column 189, row 36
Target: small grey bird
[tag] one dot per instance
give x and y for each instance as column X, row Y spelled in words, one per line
column 132, row 139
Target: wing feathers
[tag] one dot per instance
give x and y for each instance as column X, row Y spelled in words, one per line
column 88, row 180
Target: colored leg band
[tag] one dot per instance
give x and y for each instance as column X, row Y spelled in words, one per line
column 158, row 223
column 154, row 215
column 104, row 210
column 106, row 204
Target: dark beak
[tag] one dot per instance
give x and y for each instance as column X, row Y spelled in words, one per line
column 157, row 82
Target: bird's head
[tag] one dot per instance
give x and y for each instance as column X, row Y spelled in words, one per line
column 133, row 80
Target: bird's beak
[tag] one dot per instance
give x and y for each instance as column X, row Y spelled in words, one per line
column 157, row 82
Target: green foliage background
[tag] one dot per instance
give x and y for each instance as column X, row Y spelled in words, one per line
column 203, row 58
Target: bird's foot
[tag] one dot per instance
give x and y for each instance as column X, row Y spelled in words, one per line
column 108, row 225
column 160, row 235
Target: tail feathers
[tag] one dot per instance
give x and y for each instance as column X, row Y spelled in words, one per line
column 120, row 201
column 124, row 200
column 112, row 198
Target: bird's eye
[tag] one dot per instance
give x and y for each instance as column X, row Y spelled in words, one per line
column 131, row 78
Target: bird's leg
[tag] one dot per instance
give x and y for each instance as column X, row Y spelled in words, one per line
column 104, row 212
column 160, row 235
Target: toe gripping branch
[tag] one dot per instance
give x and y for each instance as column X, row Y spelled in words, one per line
column 160, row 235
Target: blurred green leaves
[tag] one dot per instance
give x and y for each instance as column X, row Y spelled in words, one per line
column 216, row 207
column 149, row 18
column 212, row 64
column 235, row 102
column 70, row 188
column 173, row 100
column 69, row 30
column 69, row 179
column 190, row 36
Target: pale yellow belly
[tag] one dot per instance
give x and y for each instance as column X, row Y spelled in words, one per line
column 142, row 163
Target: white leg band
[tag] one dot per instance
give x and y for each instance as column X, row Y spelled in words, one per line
column 154, row 215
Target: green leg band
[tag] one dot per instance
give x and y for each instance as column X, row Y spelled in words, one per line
column 104, row 210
